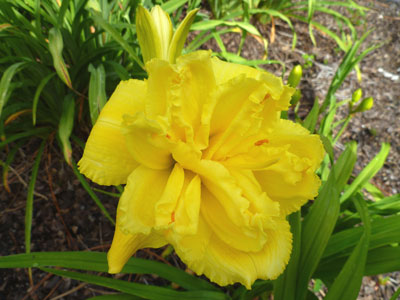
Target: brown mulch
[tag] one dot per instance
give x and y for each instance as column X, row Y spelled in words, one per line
column 66, row 218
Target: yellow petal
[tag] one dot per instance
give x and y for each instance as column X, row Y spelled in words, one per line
column 290, row 196
column 164, row 29
column 301, row 142
column 238, row 237
column 237, row 116
column 205, row 253
column 190, row 247
column 162, row 79
column 179, row 38
column 260, row 204
column 195, row 100
column 225, row 265
column 147, row 142
column 186, row 216
column 148, row 35
column 106, row 159
column 125, row 245
column 219, row 182
column 225, row 71
column 135, row 213
column 291, row 181
column 165, row 207
column 232, row 98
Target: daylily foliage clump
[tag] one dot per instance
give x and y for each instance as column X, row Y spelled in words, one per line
column 208, row 164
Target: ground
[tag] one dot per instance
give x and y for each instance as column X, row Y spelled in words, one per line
column 66, row 218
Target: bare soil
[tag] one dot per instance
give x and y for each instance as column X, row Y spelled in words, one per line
column 65, row 218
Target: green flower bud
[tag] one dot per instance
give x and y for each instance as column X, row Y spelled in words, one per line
column 356, row 96
column 365, row 105
column 295, row 76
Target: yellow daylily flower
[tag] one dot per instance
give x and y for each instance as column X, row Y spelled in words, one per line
column 208, row 164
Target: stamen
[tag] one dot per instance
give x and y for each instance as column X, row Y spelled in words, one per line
column 261, row 142
column 172, row 218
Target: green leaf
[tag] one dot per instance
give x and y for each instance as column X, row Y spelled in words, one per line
column 383, row 260
column 380, row 260
column 5, row 83
column 56, row 46
column 374, row 191
column 317, row 228
column 30, row 196
column 97, row 91
column 141, row 290
column 384, row 231
column 367, row 173
column 66, row 125
column 328, row 147
column 39, row 89
column 116, row 36
column 41, row 131
column 61, row 12
column 319, row 223
column 278, row 14
column 388, row 205
column 345, row 164
column 116, row 297
column 348, row 282
column 285, row 287
column 172, row 5
column 259, row 287
column 312, row 118
column 97, row 261
column 90, row 192
column 211, row 24
column 396, row 295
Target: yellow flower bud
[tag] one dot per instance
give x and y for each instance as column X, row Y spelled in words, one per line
column 155, row 33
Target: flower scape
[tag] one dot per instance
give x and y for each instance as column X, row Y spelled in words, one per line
column 209, row 167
